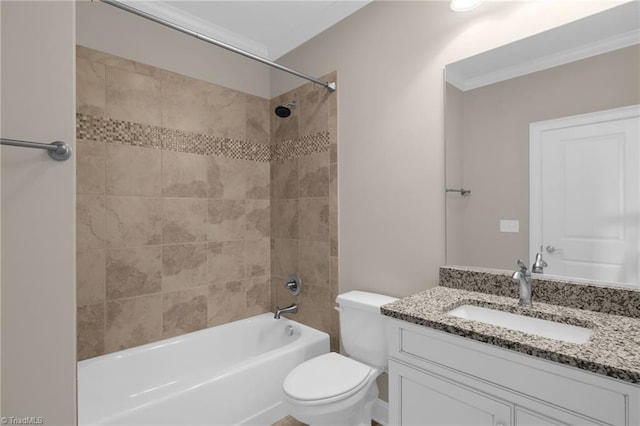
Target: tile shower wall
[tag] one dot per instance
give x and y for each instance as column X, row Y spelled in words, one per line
column 304, row 205
column 173, row 204
column 178, row 226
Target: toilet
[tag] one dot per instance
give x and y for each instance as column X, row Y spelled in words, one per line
column 334, row 389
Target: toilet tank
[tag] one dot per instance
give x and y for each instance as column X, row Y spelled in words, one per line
column 362, row 326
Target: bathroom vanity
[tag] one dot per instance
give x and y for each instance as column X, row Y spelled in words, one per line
column 444, row 369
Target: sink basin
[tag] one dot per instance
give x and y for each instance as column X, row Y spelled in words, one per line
column 537, row 326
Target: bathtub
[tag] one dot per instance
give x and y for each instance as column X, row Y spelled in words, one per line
column 226, row 375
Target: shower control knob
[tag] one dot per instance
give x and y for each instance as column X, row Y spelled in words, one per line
column 294, row 284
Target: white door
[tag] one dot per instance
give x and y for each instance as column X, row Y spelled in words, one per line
column 585, row 192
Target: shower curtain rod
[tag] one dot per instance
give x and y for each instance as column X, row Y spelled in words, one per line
column 331, row 86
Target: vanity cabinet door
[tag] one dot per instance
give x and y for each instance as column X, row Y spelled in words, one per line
column 429, row 400
column 551, row 417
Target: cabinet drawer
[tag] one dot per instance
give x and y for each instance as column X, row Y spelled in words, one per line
column 564, row 387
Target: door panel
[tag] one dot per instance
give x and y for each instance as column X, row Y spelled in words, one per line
column 429, row 400
column 589, row 195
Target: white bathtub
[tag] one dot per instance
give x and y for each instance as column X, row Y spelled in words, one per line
column 226, row 375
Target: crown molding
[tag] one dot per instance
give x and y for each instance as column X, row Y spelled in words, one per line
column 174, row 15
column 549, row 61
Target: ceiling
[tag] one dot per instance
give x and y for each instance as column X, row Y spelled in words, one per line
column 266, row 28
column 612, row 29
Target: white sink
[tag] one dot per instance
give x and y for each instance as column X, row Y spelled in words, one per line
column 537, row 326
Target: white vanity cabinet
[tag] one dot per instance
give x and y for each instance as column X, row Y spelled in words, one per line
column 437, row 378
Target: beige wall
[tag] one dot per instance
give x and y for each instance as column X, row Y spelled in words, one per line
column 496, row 144
column 38, row 220
column 455, row 202
column 108, row 29
column 390, row 56
column 173, row 204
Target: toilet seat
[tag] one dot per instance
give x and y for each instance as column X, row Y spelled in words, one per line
column 326, row 378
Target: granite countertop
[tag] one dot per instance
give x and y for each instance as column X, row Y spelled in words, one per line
column 612, row 350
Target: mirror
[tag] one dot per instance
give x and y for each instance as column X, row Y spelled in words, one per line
column 528, row 130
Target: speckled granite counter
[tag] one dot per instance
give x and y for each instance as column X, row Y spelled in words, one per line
column 613, row 349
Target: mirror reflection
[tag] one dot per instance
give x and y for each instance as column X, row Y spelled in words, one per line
column 544, row 134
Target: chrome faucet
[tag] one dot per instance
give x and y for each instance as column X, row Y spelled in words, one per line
column 523, row 278
column 291, row 309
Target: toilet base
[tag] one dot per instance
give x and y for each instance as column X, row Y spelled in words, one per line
column 355, row 410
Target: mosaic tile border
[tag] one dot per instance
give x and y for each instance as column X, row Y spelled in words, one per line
column 305, row 145
column 89, row 127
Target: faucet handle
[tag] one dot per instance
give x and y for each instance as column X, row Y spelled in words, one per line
column 522, row 265
column 539, row 264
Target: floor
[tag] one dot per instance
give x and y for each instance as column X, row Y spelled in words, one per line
column 288, row 421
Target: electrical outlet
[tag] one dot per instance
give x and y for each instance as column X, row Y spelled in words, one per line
column 507, row 225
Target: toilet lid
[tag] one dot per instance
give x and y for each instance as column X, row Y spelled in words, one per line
column 325, row 377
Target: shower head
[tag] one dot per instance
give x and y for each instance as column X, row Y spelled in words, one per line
column 284, row 110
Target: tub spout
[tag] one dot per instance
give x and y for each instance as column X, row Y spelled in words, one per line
column 292, row 309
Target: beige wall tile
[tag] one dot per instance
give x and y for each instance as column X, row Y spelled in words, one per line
column 133, row 322
column 258, row 180
column 184, row 175
column 313, row 175
column 183, row 266
column 333, row 209
column 227, row 220
column 314, row 264
column 257, row 258
column 90, row 277
column 184, row 311
column 227, row 302
column 90, row 330
column 284, row 257
column 184, row 103
column 133, row 272
column 314, row 219
column 334, row 282
column 90, row 167
column 285, row 219
column 90, row 221
column 184, row 220
column 133, row 170
column 314, row 109
column 133, row 97
column 90, row 87
column 117, row 61
column 227, row 178
column 258, row 119
column 227, row 111
column 133, row 222
column 333, row 231
column 284, row 179
column 226, row 261
column 334, row 289
column 258, row 219
column 258, row 296
column 314, row 308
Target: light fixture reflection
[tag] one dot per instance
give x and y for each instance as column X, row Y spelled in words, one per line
column 464, row 5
